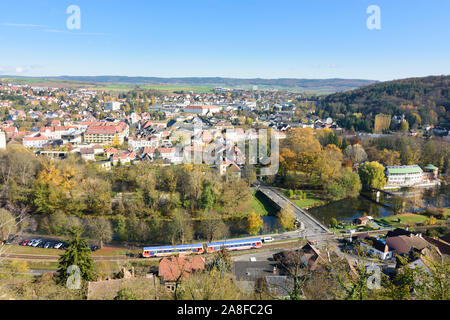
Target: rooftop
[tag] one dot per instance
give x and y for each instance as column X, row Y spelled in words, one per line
column 404, row 169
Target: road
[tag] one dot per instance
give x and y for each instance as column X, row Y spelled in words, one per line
column 312, row 227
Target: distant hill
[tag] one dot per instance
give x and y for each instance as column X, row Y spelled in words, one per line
column 298, row 85
column 422, row 100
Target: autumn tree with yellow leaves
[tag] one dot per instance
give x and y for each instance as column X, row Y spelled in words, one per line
column 255, row 223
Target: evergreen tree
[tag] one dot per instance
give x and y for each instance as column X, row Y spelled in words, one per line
column 77, row 254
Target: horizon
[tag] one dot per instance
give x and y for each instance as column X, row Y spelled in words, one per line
column 234, row 39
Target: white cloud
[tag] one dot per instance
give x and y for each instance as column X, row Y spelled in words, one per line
column 19, row 69
column 23, row 25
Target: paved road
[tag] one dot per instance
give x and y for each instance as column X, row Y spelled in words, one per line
column 312, row 227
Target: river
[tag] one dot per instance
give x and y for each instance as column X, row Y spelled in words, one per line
column 349, row 209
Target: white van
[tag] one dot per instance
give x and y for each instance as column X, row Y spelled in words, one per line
column 267, row 239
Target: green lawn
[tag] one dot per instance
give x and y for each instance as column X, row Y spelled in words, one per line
column 417, row 218
column 33, row 250
column 108, row 251
column 261, row 205
column 312, row 200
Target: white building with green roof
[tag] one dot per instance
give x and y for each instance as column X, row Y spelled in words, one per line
column 403, row 176
column 409, row 176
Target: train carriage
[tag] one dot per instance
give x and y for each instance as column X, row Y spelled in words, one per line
column 196, row 248
column 243, row 244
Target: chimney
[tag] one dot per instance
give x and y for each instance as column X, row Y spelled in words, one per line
column 274, row 270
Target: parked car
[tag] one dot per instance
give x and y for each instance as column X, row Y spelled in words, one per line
column 93, row 248
column 24, row 242
column 41, row 244
column 38, row 241
column 267, row 239
column 48, row 244
column 31, row 242
column 58, row 245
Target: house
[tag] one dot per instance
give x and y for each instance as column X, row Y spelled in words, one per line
column 227, row 166
column 377, row 247
column 310, row 256
column 362, row 220
column 10, row 131
column 442, row 245
column 112, row 106
column 123, row 157
column 110, row 151
column 87, row 154
column 403, row 244
column 35, row 141
column 173, row 269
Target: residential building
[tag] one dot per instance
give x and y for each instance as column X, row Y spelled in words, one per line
column 203, row 110
column 35, row 141
column 112, row 106
column 106, row 132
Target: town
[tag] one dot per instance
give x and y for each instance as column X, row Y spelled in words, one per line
column 165, row 188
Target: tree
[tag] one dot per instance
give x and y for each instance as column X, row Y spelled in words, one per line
column 221, row 261
column 333, row 222
column 356, row 153
column 382, row 122
column 213, row 227
column 97, row 196
column 100, row 229
column 301, row 150
column 255, row 223
column 293, row 262
column 349, row 185
column 329, row 163
column 8, row 224
column 404, row 126
column 207, row 197
column 180, row 228
column 79, row 255
column 286, row 217
column 372, row 175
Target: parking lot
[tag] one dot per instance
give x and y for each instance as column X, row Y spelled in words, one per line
column 43, row 242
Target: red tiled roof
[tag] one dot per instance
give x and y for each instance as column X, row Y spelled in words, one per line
column 172, row 268
column 34, row 138
column 104, row 127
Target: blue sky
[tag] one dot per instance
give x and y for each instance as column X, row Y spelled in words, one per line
column 228, row 38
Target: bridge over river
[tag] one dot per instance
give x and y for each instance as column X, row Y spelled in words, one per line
column 312, row 227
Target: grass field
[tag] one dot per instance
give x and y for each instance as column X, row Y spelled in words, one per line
column 405, row 219
column 312, row 200
column 106, row 251
column 261, row 205
column 33, row 250
column 116, row 87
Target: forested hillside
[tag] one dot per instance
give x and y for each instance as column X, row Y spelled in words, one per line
column 422, row 101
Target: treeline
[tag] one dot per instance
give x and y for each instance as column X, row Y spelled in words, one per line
column 319, row 160
column 403, row 150
column 423, row 101
column 143, row 201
